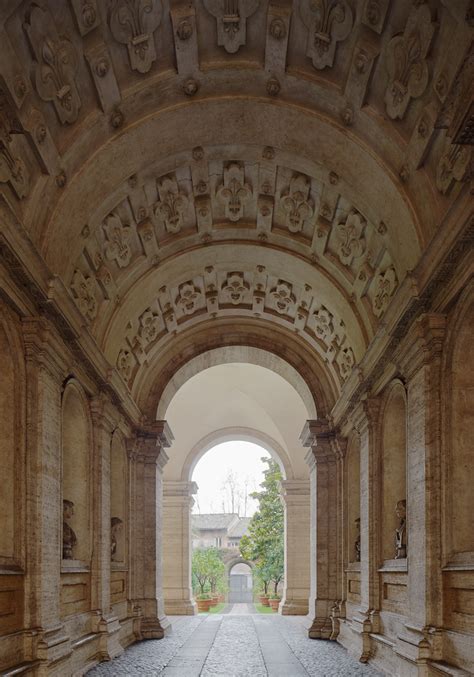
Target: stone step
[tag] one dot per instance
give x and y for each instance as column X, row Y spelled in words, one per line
column 449, row 670
column 21, row 669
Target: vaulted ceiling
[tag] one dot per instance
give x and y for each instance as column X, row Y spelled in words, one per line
column 175, row 167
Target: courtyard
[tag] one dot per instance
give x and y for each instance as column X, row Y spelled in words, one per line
column 237, row 643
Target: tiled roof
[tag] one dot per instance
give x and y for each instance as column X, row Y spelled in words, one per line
column 240, row 529
column 215, row 521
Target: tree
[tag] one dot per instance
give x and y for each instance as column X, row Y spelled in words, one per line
column 207, row 569
column 264, row 542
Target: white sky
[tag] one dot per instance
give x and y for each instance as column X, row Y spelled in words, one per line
column 211, row 471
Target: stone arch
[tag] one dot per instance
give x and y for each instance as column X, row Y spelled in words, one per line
column 393, row 462
column 239, row 353
column 241, row 435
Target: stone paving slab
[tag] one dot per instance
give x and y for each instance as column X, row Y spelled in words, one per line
column 235, row 645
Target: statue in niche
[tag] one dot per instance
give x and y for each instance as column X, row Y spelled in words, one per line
column 115, row 531
column 401, row 531
column 357, row 542
column 69, row 536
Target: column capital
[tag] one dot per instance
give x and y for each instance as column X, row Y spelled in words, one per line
column 422, row 344
column 295, row 491
column 366, row 414
column 325, row 442
column 148, row 443
column 103, row 413
column 43, row 347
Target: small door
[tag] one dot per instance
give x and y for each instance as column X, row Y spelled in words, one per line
column 240, row 588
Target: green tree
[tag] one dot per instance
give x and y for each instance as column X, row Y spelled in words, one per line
column 208, row 569
column 264, row 542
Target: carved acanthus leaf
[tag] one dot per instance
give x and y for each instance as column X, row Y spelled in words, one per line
column 283, row 297
column 172, row 204
column 117, row 247
column 231, row 16
column 133, row 23
column 235, row 288
column 84, row 291
column 454, row 165
column 328, row 22
column 297, row 204
column 406, row 64
column 12, row 168
column 188, row 298
column 56, row 63
column 385, row 285
column 350, row 237
column 234, row 192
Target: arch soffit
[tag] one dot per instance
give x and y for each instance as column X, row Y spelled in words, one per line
column 236, row 354
column 237, row 434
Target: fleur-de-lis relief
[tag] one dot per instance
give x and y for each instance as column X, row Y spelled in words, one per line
column 345, row 361
column 385, row 285
column 133, row 23
column 324, row 324
column 12, row 168
column 84, row 289
column 188, row 297
column 125, row 363
column 150, row 325
column 350, row 238
column 296, row 203
column 283, row 297
column 235, row 288
column 172, row 204
column 406, row 64
column 454, row 165
column 231, row 16
column 117, row 248
column 328, row 22
column 234, row 192
column 56, row 63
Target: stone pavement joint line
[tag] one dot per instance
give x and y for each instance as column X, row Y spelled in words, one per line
column 235, row 645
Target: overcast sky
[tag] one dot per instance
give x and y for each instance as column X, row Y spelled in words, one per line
column 242, row 460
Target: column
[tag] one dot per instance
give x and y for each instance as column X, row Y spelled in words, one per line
column 420, row 360
column 323, row 516
column 147, row 460
column 177, row 504
column 296, row 499
column 366, row 620
column 45, row 373
column 104, row 420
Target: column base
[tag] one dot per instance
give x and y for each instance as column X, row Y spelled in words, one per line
column 180, row 607
column 109, row 630
column 152, row 628
column 52, row 647
column 321, row 624
column 363, row 624
column 294, row 607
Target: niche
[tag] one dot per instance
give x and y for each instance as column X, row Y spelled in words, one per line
column 353, row 500
column 118, row 498
column 76, row 478
column 394, row 462
column 460, row 490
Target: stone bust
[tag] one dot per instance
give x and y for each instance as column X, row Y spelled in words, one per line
column 401, row 530
column 69, row 536
column 357, row 542
column 115, row 531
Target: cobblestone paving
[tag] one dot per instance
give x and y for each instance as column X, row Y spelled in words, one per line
column 235, row 645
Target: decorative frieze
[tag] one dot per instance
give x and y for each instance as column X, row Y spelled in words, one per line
column 234, row 192
column 84, row 292
column 231, row 17
column 296, row 203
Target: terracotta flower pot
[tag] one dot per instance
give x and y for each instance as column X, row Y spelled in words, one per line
column 274, row 603
column 203, row 604
column 221, row 598
column 214, row 600
column 264, row 600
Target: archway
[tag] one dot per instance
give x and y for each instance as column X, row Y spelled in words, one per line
column 240, row 578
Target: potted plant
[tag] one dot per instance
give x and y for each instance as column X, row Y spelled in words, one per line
column 203, row 601
column 274, row 601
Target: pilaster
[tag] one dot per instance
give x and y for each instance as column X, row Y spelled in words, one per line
column 296, row 499
column 147, row 460
column 177, row 588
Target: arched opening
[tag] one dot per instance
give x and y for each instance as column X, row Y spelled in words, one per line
column 240, row 583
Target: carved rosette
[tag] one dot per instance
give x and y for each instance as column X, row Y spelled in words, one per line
column 84, row 292
column 150, row 327
column 406, row 64
column 117, row 247
column 133, row 23
column 188, row 298
column 231, row 17
column 56, row 63
column 172, row 205
column 324, row 325
column 385, row 286
column 234, row 192
column 297, row 204
column 235, row 288
column 350, row 238
column 12, row 168
column 283, row 297
column 328, row 22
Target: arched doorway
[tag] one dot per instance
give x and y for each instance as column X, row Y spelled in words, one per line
column 240, row 581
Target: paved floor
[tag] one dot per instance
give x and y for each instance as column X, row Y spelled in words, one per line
column 238, row 644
